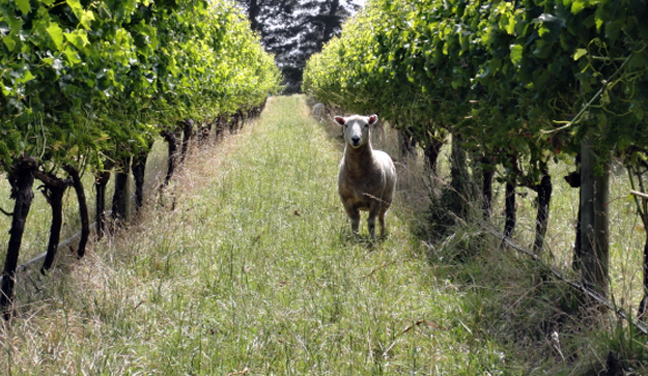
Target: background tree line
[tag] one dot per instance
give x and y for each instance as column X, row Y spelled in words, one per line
column 293, row 30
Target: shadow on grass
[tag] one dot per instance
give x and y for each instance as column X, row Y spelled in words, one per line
column 518, row 303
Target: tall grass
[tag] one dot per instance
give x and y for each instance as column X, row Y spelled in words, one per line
column 39, row 219
column 254, row 271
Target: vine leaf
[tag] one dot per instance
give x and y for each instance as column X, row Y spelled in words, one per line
column 55, row 32
column 24, row 6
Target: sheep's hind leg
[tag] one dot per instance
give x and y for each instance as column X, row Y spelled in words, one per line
column 381, row 220
column 372, row 226
column 373, row 212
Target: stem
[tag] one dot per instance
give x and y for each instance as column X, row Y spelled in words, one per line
column 542, row 218
column 22, row 180
column 172, row 142
column 487, row 186
column 83, row 208
column 120, row 196
column 54, row 189
column 139, row 167
column 100, row 205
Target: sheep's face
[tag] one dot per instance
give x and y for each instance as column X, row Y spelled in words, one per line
column 356, row 128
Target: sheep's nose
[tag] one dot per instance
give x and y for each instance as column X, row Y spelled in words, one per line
column 355, row 140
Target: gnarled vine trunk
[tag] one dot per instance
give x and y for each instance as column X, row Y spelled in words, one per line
column 22, row 181
column 458, row 194
column 542, row 218
column 406, row 142
column 432, row 151
column 509, row 206
column 187, row 135
column 139, row 170
column 100, row 184
column 488, row 171
column 83, row 208
column 53, row 189
column 120, row 196
column 172, row 143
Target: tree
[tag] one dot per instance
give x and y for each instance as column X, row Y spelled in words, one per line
column 294, row 30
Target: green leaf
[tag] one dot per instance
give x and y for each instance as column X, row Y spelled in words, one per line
column 24, row 6
column 516, row 53
column 86, row 18
column 577, row 6
column 9, row 42
column 28, row 76
column 72, row 55
column 56, row 33
column 78, row 38
column 580, row 52
column 76, row 7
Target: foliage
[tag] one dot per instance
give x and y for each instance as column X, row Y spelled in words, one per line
column 294, row 30
column 85, row 79
column 529, row 77
column 255, row 270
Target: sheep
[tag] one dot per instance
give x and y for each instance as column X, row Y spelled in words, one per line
column 367, row 177
column 318, row 111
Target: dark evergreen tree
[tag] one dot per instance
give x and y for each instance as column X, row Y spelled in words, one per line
column 293, row 30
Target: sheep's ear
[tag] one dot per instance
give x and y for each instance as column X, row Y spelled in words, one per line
column 339, row 120
column 373, row 119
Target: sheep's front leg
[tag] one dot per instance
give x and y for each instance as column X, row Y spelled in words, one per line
column 354, row 215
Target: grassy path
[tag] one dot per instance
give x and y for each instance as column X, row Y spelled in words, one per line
column 253, row 272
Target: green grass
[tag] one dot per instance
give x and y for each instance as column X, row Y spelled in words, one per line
column 249, row 267
column 254, row 271
column 38, row 222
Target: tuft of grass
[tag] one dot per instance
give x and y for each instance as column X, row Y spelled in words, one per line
column 253, row 270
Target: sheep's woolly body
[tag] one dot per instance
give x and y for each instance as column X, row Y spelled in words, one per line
column 367, row 178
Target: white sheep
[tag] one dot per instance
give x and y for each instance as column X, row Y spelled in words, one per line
column 367, row 178
column 318, row 111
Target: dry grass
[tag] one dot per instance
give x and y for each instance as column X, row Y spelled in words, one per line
column 252, row 268
column 248, row 267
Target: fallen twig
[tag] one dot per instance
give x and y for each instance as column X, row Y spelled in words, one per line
column 640, row 194
column 384, row 264
column 243, row 372
column 407, row 329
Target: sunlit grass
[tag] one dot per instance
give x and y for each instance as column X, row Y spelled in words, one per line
column 253, row 271
column 39, row 219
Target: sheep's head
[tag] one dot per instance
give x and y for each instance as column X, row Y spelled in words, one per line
column 356, row 128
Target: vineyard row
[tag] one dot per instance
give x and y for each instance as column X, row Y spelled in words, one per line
column 88, row 84
column 515, row 84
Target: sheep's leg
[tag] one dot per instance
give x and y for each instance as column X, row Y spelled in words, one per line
column 381, row 220
column 372, row 226
column 354, row 215
column 374, row 210
column 355, row 224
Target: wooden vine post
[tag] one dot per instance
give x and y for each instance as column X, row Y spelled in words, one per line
column 595, row 192
column 641, row 201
